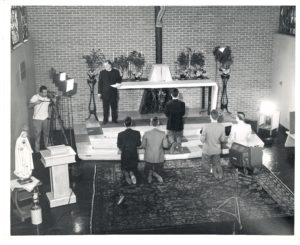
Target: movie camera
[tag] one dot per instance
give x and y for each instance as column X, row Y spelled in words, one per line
column 51, row 95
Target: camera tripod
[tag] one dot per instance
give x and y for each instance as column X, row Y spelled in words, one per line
column 56, row 116
column 235, row 199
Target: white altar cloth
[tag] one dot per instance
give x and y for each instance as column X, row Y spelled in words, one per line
column 175, row 84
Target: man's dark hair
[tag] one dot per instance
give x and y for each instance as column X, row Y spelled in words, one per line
column 128, row 121
column 155, row 121
column 107, row 61
column 175, row 92
column 214, row 114
column 43, row 88
column 241, row 115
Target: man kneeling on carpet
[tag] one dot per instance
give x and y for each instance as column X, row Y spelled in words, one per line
column 128, row 142
column 213, row 134
column 154, row 141
column 175, row 110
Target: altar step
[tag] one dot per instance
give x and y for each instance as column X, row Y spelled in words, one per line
column 192, row 115
column 94, row 142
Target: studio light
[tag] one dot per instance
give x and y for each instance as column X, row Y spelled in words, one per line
column 69, row 85
column 62, row 76
column 268, row 119
column 267, row 107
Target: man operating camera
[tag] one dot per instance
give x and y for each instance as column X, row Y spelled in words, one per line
column 40, row 103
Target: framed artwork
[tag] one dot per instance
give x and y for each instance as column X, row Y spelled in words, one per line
column 287, row 20
column 24, row 24
column 15, row 37
column 19, row 25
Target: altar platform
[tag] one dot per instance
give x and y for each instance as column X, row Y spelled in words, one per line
column 99, row 142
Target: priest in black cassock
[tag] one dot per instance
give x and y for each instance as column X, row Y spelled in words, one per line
column 109, row 95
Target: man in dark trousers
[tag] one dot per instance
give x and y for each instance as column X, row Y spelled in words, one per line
column 107, row 93
column 212, row 135
column 175, row 110
column 128, row 142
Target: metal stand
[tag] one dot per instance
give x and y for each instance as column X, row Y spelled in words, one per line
column 235, row 199
column 92, row 108
column 56, row 116
column 224, row 97
column 66, row 112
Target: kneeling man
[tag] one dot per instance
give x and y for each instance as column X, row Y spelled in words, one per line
column 128, row 142
column 154, row 141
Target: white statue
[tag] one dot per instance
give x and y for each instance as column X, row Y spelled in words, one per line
column 23, row 156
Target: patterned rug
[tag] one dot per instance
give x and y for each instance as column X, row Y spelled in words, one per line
column 189, row 195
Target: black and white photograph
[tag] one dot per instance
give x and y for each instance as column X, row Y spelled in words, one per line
column 157, row 119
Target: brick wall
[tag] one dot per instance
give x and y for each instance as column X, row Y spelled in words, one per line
column 61, row 35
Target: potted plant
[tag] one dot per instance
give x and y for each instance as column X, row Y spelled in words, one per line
column 224, row 58
column 121, row 63
column 138, row 61
column 94, row 60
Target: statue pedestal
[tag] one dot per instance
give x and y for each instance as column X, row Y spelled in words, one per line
column 20, row 196
column 61, row 193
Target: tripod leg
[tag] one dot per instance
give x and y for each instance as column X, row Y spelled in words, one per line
column 238, row 213
column 61, row 124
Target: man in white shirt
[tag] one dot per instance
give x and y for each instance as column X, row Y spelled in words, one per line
column 40, row 104
column 241, row 131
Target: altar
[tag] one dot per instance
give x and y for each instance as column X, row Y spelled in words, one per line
column 176, row 84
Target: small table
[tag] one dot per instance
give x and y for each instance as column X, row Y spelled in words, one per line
column 61, row 193
column 21, row 194
column 290, row 140
column 268, row 122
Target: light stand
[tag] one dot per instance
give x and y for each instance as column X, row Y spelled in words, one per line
column 68, row 119
column 235, row 199
column 224, row 97
column 92, row 107
column 56, row 116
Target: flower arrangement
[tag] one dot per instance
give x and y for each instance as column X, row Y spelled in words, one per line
column 131, row 65
column 224, row 58
column 121, row 63
column 191, row 64
column 138, row 60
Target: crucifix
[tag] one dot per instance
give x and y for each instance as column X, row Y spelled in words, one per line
column 159, row 13
column 153, row 99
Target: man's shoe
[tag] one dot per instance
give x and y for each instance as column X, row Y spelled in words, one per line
column 133, row 179
column 115, row 121
column 180, row 149
column 159, row 179
column 172, row 149
column 128, row 180
column 104, row 122
column 150, row 178
column 121, row 199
